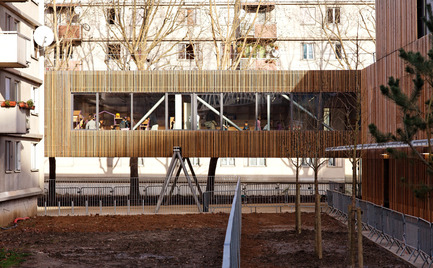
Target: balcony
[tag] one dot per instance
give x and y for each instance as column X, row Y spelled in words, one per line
column 13, row 120
column 70, row 32
column 14, row 50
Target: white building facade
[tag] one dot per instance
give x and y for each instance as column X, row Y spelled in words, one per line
column 21, row 128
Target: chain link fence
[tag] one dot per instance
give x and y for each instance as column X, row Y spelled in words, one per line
column 407, row 234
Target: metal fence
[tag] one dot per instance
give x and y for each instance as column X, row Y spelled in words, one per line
column 407, row 234
column 85, row 196
column 232, row 243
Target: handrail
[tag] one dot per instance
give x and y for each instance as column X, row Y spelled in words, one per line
column 232, row 242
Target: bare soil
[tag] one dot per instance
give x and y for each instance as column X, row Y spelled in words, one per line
column 191, row 240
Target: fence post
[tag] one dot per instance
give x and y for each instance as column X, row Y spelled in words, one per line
column 72, row 206
column 206, row 201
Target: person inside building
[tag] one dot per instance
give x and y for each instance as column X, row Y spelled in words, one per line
column 91, row 124
column 210, row 122
column 246, row 126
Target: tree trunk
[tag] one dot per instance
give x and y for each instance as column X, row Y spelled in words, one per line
column 352, row 232
column 298, row 201
column 318, row 220
column 360, row 253
column 210, row 186
column 52, row 182
column 134, row 189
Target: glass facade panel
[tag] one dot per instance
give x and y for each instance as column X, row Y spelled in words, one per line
column 208, row 111
column 239, row 111
column 149, row 111
column 305, row 112
column 179, row 111
column 339, row 110
column 114, row 111
column 84, row 111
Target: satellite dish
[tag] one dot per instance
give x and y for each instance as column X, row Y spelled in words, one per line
column 78, row 10
column 275, row 53
column 43, row 36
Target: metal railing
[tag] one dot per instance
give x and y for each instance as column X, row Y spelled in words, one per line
column 84, row 196
column 407, row 234
column 232, row 243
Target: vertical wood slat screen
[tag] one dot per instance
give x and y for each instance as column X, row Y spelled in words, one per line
column 210, row 81
column 377, row 108
column 402, row 198
column 396, row 25
column 61, row 141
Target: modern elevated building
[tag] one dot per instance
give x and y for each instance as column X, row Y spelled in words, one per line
column 284, row 36
column 399, row 25
column 21, row 129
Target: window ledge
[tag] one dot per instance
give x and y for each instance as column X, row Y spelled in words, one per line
column 34, row 170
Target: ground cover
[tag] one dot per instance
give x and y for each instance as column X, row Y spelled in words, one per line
column 191, row 240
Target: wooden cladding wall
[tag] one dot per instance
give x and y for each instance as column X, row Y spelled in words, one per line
column 62, row 141
column 396, row 25
column 194, row 143
column 209, row 81
column 376, row 108
column 401, row 195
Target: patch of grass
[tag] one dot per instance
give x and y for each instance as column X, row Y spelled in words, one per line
column 10, row 258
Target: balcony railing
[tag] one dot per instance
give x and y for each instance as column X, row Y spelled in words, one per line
column 262, row 31
column 14, row 50
column 13, row 120
column 70, row 32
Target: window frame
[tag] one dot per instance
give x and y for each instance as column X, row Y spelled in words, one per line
column 250, row 164
column 17, row 157
column 306, row 52
column 333, row 15
column 112, row 48
column 34, row 164
column 338, row 50
column 184, row 55
column 9, row 156
column 228, row 161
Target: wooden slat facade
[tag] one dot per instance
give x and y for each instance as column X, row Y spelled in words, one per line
column 401, row 195
column 395, row 16
column 396, row 28
column 378, row 109
column 62, row 141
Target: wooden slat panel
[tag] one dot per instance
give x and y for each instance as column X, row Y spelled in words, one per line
column 396, row 25
column 209, row 81
column 86, row 143
column 402, row 196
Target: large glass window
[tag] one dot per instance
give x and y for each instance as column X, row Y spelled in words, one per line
column 209, row 111
column 115, row 111
column 149, row 111
column 84, row 114
column 179, row 111
column 305, row 112
column 239, row 111
column 340, row 110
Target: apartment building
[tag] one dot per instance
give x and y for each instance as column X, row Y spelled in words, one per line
column 220, row 35
column 21, row 128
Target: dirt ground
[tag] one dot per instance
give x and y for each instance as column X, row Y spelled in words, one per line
column 191, row 240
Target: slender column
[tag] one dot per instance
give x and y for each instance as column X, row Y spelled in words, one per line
column 167, row 122
column 178, row 111
column 268, row 98
column 221, row 110
column 257, row 111
column 194, row 111
column 131, row 124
